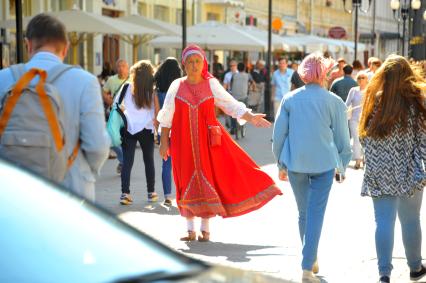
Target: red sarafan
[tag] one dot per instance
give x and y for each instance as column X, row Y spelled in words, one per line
column 212, row 178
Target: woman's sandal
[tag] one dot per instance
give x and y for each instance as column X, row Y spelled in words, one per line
column 204, row 237
column 191, row 237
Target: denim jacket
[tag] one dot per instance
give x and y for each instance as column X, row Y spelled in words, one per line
column 311, row 133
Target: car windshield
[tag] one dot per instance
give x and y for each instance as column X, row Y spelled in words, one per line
column 50, row 235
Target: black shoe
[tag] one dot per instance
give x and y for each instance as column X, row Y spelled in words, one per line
column 417, row 275
column 384, row 279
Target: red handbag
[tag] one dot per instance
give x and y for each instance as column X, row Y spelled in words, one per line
column 215, row 135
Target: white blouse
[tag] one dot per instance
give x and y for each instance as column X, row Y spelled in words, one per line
column 137, row 118
column 222, row 99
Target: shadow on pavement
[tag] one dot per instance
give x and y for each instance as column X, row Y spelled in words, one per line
column 232, row 252
column 159, row 208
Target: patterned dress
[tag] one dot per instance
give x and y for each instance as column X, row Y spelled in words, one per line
column 211, row 180
column 395, row 165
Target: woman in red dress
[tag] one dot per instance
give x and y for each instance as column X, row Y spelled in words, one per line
column 213, row 175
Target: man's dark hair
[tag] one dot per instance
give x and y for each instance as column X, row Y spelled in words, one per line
column 241, row 67
column 283, row 58
column 45, row 29
column 347, row 69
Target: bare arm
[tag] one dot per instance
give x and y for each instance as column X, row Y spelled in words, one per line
column 257, row 119
column 164, row 143
column 156, row 110
column 107, row 98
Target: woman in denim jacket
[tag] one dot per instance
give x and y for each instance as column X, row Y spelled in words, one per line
column 311, row 142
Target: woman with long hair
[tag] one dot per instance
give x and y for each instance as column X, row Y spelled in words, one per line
column 139, row 108
column 392, row 130
column 213, row 175
column 353, row 102
column 168, row 71
column 311, row 144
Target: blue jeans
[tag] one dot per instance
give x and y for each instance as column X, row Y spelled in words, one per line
column 166, row 176
column 408, row 209
column 119, row 152
column 311, row 192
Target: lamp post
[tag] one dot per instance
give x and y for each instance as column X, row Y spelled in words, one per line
column 268, row 102
column 404, row 9
column 183, row 24
column 356, row 6
column 19, row 33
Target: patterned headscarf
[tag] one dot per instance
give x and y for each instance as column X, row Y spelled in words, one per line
column 195, row 49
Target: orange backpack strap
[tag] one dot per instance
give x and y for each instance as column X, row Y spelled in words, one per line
column 73, row 155
column 13, row 98
column 11, row 101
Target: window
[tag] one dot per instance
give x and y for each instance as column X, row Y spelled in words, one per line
column 60, row 5
column 26, row 8
column 179, row 17
column 212, row 16
column 161, row 13
column 142, row 9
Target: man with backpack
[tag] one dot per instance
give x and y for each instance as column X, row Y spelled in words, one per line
column 70, row 113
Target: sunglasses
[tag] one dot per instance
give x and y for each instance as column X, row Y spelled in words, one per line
column 361, row 78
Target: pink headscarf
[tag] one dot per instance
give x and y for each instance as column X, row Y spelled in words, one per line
column 314, row 68
column 195, row 49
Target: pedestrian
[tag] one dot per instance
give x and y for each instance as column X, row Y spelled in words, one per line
column 47, row 46
column 139, row 106
column 217, row 68
column 241, row 82
column 258, row 74
column 107, row 71
column 110, row 90
column 228, row 75
column 213, row 175
column 337, row 73
column 296, row 81
column 353, row 102
column 374, row 64
column 311, row 146
column 357, row 67
column 281, row 82
column 342, row 85
column 227, row 85
column 393, row 133
column 168, row 71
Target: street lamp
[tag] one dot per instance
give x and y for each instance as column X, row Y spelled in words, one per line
column 356, row 5
column 404, row 14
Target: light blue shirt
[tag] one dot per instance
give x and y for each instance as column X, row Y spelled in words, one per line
column 311, row 133
column 282, row 83
column 84, row 120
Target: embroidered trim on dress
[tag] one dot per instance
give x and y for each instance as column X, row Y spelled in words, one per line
column 208, row 209
column 193, row 106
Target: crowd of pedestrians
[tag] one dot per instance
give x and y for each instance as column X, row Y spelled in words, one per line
column 320, row 106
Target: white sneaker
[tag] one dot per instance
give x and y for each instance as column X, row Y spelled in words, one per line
column 309, row 277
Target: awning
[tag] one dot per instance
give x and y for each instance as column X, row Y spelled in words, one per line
column 382, row 35
column 235, row 3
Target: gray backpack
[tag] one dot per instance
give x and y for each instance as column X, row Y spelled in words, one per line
column 32, row 123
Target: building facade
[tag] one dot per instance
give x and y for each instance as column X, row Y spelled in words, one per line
column 377, row 28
